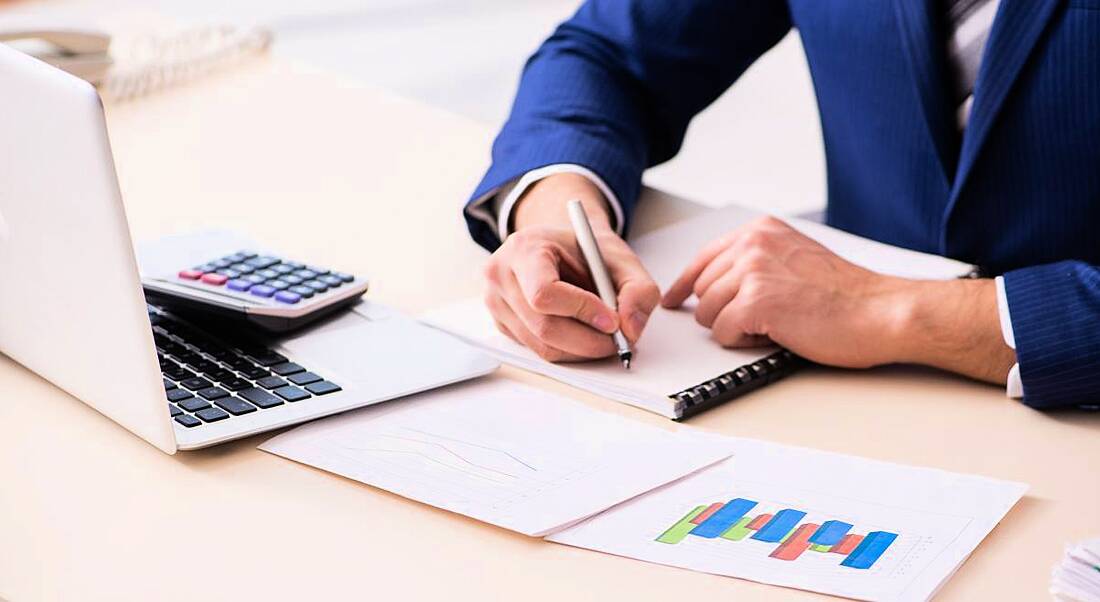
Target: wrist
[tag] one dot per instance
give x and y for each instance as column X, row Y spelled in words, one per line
column 544, row 203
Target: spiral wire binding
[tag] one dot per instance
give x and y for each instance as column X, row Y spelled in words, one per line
column 149, row 63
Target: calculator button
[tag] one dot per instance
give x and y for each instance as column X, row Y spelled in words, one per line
column 214, row 279
column 267, row 273
column 239, row 285
column 212, row 415
column 262, row 290
column 221, row 263
column 190, row 274
column 291, row 279
column 262, row 262
column 287, row 297
column 317, row 286
column 291, row 393
column 255, row 279
column 229, row 273
column 243, row 268
column 306, row 274
column 344, row 277
column 245, row 254
column 304, row 291
column 206, row 267
column 282, row 268
column 331, row 280
column 278, row 285
column 187, row 420
column 317, row 269
column 294, row 265
column 323, row 388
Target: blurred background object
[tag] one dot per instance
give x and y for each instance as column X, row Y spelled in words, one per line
column 759, row 145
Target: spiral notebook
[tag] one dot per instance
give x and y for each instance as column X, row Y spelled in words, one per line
column 678, row 370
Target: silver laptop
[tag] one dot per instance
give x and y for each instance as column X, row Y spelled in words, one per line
column 73, row 309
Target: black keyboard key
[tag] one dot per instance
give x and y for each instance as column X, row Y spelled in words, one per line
column 323, row 388
column 187, row 420
column 236, row 384
column 240, row 363
column 291, row 393
column 255, row 372
column 220, row 375
column 168, row 385
column 174, row 410
column 287, row 368
column 212, row 415
column 304, row 378
column 212, row 393
column 271, row 382
column 178, row 395
column 179, row 374
column 261, row 398
column 331, row 280
column 194, row 404
column 235, row 406
column 206, row 366
column 267, row 358
column 196, row 383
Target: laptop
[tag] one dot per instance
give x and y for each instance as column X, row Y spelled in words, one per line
column 73, row 308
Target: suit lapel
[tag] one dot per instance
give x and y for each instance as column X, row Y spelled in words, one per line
column 921, row 36
column 1016, row 29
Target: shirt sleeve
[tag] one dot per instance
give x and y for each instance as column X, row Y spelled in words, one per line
column 495, row 207
column 1015, row 388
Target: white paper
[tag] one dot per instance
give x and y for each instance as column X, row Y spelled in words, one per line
column 938, row 519
column 502, row 453
column 676, row 353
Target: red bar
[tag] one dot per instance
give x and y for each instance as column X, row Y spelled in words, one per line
column 705, row 514
column 190, row 274
column 846, row 545
column 758, row 522
column 796, row 544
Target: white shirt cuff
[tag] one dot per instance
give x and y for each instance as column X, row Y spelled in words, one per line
column 1015, row 388
column 495, row 207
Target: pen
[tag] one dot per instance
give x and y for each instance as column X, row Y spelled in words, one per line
column 591, row 251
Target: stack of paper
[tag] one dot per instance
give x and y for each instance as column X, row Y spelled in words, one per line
column 1077, row 577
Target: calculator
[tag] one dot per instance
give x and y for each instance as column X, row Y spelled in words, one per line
column 226, row 274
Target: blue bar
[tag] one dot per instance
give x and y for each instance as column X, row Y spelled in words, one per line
column 869, row 550
column 724, row 518
column 830, row 532
column 779, row 526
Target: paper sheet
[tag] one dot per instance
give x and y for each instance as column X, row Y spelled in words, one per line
column 502, row 453
column 808, row 519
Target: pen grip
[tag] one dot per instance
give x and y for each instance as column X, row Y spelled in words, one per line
column 586, row 240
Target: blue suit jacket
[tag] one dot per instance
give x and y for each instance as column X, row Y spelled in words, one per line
column 1019, row 194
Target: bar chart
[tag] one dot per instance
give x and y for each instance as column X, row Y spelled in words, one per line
column 785, row 528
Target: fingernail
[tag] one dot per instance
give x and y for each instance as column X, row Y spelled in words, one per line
column 638, row 320
column 604, row 323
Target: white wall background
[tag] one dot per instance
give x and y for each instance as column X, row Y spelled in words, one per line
column 759, row 145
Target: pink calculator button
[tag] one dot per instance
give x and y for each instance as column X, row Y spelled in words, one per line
column 190, row 274
column 215, row 279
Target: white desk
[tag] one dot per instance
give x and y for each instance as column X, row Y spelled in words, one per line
column 327, row 169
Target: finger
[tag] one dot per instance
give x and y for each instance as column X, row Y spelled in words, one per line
column 733, row 327
column 717, row 297
column 511, row 324
column 564, row 334
column 638, row 295
column 716, row 269
column 539, row 279
column 682, row 288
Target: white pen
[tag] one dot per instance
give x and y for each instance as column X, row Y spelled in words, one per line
column 586, row 240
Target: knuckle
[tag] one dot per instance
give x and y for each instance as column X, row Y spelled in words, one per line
column 543, row 298
column 543, row 328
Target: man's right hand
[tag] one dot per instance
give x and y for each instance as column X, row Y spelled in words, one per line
column 539, row 290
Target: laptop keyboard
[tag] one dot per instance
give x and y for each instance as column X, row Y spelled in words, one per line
column 209, row 380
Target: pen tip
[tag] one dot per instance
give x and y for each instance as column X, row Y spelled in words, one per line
column 626, row 363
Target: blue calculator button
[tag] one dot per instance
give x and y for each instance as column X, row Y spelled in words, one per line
column 262, row 262
column 243, row 268
column 317, row 269
column 282, row 268
column 287, row 297
column 254, row 279
column 304, row 291
column 278, row 285
column 291, row 279
column 262, row 290
column 306, row 274
column 344, row 277
column 319, row 287
column 331, row 280
column 294, row 264
column 239, row 285
column 228, row 273
column 268, row 273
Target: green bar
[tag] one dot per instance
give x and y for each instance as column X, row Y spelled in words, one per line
column 739, row 530
column 789, row 533
column 819, row 548
column 679, row 531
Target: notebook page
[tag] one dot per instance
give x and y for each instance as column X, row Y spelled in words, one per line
column 503, row 453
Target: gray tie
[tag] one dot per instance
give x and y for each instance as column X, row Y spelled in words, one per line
column 968, row 25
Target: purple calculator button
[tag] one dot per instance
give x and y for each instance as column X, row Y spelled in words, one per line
column 262, row 290
column 239, row 285
column 288, row 297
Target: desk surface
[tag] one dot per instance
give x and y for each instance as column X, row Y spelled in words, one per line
column 329, row 169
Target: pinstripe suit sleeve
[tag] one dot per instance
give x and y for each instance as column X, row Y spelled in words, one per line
column 1055, row 311
column 614, row 88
